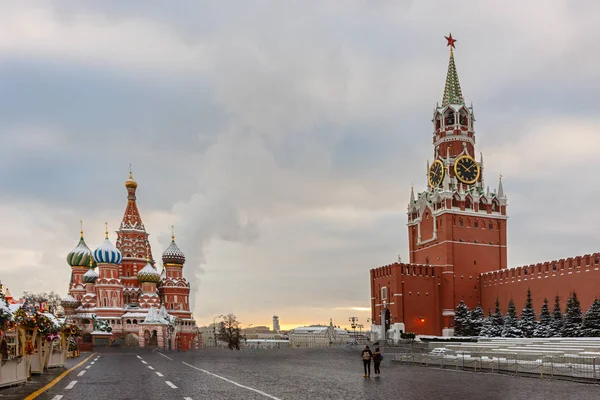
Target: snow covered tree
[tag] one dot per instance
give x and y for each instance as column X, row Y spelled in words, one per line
column 486, row 327
column 542, row 328
column 511, row 322
column 573, row 318
column 591, row 322
column 477, row 318
column 557, row 319
column 527, row 322
column 496, row 322
column 461, row 320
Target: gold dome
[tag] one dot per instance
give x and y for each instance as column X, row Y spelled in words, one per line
column 130, row 183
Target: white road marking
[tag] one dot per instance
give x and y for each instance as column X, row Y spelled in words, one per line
column 93, row 362
column 144, row 362
column 233, row 382
column 70, row 385
column 171, row 384
column 139, row 357
column 187, row 398
column 150, row 367
column 60, row 396
column 88, row 367
column 159, row 374
column 81, row 373
column 164, row 355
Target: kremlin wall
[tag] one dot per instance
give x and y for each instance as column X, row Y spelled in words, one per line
column 457, row 232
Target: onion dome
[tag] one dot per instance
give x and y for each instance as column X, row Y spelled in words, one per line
column 107, row 253
column 173, row 255
column 69, row 302
column 80, row 255
column 130, row 183
column 148, row 274
column 90, row 276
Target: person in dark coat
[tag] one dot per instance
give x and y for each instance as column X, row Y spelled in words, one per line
column 367, row 355
column 377, row 358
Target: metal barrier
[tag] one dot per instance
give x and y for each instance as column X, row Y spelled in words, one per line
column 567, row 367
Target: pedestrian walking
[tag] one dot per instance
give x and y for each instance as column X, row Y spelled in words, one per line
column 367, row 354
column 377, row 358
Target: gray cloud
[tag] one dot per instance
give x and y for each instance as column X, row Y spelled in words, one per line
column 281, row 139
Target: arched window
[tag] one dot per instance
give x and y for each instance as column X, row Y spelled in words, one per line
column 135, row 321
column 438, row 123
column 456, row 201
column 128, row 321
column 463, row 118
column 495, row 205
column 468, row 202
column 482, row 205
column 105, row 302
column 460, row 222
column 476, row 224
column 490, row 225
column 449, row 118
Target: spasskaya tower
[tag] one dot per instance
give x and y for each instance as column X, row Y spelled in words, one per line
column 456, row 225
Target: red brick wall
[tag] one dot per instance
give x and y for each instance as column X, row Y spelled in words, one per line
column 412, row 292
column 580, row 274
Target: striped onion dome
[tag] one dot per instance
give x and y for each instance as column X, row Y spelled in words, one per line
column 148, row 274
column 106, row 253
column 80, row 255
column 69, row 302
column 173, row 255
column 90, row 276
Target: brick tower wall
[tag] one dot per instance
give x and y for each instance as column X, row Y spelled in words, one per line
column 546, row 280
column 413, row 293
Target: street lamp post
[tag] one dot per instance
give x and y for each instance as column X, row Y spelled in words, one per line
column 215, row 329
column 353, row 322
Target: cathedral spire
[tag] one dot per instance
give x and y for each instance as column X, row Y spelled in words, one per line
column 412, row 194
column 452, row 91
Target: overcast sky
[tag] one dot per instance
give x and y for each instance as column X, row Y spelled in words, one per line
column 281, row 137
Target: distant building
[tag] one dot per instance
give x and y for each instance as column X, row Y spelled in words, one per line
column 318, row 336
column 207, row 336
column 276, row 328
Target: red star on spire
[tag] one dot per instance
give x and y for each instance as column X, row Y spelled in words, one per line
column 450, row 41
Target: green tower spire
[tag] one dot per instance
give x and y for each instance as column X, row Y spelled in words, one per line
column 452, row 92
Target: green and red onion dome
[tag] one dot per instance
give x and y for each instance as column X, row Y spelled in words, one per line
column 90, row 276
column 148, row 274
column 173, row 255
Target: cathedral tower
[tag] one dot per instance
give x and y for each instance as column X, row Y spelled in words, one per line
column 456, row 225
column 132, row 242
column 174, row 288
column 109, row 290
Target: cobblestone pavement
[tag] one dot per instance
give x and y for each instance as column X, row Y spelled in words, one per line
column 288, row 374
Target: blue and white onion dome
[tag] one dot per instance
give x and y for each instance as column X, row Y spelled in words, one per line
column 148, row 274
column 69, row 302
column 173, row 255
column 80, row 255
column 90, row 276
column 106, row 253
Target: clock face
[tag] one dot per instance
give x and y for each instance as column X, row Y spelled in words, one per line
column 466, row 169
column 436, row 173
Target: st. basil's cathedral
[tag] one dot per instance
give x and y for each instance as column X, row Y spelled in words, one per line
column 457, row 239
column 116, row 293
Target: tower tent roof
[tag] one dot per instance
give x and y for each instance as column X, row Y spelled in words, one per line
column 452, row 90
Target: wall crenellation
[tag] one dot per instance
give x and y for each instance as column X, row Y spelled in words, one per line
column 541, row 270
